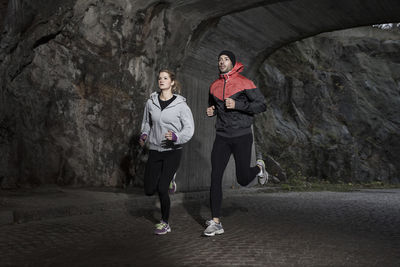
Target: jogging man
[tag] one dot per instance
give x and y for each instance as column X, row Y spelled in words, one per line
column 234, row 99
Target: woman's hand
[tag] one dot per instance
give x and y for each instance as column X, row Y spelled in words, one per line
column 142, row 139
column 171, row 136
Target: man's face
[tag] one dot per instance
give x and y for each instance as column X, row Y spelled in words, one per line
column 224, row 64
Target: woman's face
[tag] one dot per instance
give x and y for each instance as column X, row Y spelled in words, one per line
column 164, row 81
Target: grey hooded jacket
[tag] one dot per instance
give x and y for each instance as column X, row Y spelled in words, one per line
column 176, row 117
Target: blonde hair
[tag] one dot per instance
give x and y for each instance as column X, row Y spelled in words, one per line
column 176, row 88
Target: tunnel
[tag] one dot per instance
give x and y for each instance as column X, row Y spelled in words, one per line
column 76, row 74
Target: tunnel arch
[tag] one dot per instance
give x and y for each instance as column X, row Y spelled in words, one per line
column 278, row 23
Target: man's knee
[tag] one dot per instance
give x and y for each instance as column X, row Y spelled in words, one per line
column 242, row 180
column 242, row 183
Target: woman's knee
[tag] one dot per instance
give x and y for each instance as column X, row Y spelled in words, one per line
column 149, row 192
column 163, row 190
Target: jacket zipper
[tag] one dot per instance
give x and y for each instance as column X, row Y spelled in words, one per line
column 223, row 92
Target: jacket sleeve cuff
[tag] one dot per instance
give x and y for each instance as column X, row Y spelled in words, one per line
column 143, row 136
column 174, row 137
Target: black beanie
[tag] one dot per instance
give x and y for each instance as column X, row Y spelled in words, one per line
column 230, row 55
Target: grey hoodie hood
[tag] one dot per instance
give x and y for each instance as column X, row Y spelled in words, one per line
column 154, row 98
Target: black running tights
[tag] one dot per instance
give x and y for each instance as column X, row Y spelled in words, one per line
column 223, row 147
column 160, row 169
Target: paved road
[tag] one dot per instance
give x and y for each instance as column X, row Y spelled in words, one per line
column 275, row 229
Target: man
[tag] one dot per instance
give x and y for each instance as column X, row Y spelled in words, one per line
column 234, row 99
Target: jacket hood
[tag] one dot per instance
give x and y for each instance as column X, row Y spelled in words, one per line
column 239, row 67
column 179, row 99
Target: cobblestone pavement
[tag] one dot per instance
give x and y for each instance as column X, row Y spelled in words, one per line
column 275, row 229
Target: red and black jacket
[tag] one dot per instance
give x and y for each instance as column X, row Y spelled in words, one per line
column 248, row 101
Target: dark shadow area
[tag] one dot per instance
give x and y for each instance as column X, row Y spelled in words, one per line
column 199, row 209
column 194, row 208
column 149, row 214
column 133, row 163
column 231, row 208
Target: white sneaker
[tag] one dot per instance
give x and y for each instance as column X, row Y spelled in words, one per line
column 208, row 222
column 263, row 175
column 213, row 229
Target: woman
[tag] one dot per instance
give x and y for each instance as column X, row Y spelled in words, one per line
column 167, row 124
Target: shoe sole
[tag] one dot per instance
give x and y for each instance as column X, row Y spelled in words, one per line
column 263, row 180
column 164, row 233
column 219, row 232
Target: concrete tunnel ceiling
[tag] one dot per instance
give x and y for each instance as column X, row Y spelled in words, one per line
column 254, row 29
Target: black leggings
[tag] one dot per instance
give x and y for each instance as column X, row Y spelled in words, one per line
column 160, row 169
column 223, row 147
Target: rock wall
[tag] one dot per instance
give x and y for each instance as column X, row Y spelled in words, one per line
column 75, row 75
column 335, row 106
column 74, row 81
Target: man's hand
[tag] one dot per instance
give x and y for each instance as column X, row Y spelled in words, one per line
column 210, row 111
column 230, row 103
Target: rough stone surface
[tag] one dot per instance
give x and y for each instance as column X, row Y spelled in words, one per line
column 335, row 106
column 75, row 75
column 73, row 96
